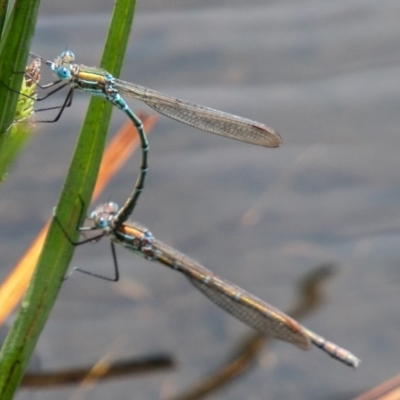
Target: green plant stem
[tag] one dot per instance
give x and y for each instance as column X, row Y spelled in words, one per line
column 57, row 251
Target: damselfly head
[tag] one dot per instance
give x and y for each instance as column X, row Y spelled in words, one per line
column 104, row 214
column 62, row 65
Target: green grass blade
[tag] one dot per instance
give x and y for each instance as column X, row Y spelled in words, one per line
column 20, row 132
column 15, row 41
column 4, row 11
column 57, row 251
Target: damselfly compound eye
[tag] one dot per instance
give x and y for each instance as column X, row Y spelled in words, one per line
column 63, row 73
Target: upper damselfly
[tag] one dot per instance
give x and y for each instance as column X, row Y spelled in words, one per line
column 99, row 82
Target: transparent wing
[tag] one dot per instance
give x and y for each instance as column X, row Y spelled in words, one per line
column 247, row 307
column 234, row 300
column 204, row 118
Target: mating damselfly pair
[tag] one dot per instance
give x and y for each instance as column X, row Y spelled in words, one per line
column 112, row 220
column 100, row 83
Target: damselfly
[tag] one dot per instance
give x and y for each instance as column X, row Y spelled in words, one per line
column 231, row 298
column 100, row 83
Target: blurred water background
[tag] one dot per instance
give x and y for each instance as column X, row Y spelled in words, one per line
column 325, row 75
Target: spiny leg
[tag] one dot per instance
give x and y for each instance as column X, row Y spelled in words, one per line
column 115, row 278
column 67, row 103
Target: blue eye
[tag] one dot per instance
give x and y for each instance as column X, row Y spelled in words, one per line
column 63, row 73
column 102, row 222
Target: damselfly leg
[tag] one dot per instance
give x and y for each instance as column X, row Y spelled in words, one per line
column 93, row 239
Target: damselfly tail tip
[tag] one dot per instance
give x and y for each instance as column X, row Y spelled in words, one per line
column 341, row 355
column 356, row 362
column 351, row 360
column 335, row 351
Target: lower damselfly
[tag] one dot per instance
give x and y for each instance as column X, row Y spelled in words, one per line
column 246, row 307
column 99, row 82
